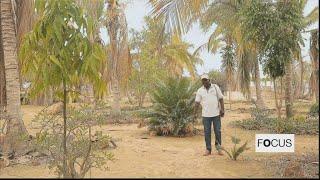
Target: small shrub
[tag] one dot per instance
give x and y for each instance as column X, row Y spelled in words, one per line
column 261, row 120
column 173, row 108
column 314, row 110
column 85, row 149
column 235, row 152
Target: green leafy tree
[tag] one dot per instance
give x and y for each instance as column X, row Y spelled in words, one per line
column 58, row 53
column 263, row 24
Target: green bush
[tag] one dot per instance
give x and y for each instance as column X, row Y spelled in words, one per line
column 261, row 120
column 314, row 110
column 173, row 107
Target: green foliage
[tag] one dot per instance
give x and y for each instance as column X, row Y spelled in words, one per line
column 155, row 56
column 262, row 120
column 235, row 152
column 263, row 23
column 58, row 49
column 85, row 149
column 58, row 53
column 173, row 107
column 229, row 62
column 314, row 110
column 218, row 78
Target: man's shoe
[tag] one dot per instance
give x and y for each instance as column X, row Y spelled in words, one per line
column 207, row 153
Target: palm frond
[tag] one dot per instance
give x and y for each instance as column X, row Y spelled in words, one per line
column 178, row 15
column 312, row 17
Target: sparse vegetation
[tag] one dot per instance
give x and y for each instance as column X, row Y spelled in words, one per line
column 86, row 148
column 295, row 166
column 262, row 120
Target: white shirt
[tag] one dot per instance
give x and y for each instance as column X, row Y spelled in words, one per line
column 209, row 100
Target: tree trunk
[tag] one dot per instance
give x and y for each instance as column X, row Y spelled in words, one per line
column 288, row 90
column 87, row 93
column 15, row 127
column 314, row 50
column 141, row 99
column 300, row 93
column 311, row 86
column 116, row 109
column 276, row 99
column 120, row 59
column 130, row 99
column 2, row 78
column 64, row 141
column 230, row 97
column 260, row 103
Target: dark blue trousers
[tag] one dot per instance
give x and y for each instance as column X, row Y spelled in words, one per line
column 207, row 123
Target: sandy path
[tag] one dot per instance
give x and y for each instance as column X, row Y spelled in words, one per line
column 170, row 156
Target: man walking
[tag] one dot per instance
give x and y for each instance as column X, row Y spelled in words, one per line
column 211, row 99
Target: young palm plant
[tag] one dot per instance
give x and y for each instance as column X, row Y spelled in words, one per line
column 236, row 151
column 172, row 110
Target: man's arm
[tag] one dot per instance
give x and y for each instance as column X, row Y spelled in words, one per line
column 197, row 104
column 220, row 97
column 221, row 107
column 196, row 107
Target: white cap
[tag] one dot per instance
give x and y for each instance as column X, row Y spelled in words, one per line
column 205, row 76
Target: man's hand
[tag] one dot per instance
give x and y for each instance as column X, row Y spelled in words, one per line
column 221, row 112
column 221, row 107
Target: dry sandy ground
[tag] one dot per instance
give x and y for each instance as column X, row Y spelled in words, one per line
column 141, row 155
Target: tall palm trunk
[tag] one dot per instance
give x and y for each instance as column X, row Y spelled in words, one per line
column 314, row 50
column 260, row 103
column 288, row 90
column 301, row 85
column 114, row 70
column 15, row 126
column 2, row 78
column 119, row 63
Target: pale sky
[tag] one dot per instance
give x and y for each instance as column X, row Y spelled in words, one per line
column 137, row 9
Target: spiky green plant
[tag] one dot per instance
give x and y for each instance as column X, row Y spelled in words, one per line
column 236, row 151
column 172, row 110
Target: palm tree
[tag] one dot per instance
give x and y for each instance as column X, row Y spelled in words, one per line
column 314, row 52
column 179, row 16
column 309, row 20
column 2, row 78
column 226, row 15
column 15, row 126
column 177, row 58
column 22, row 15
column 155, row 58
column 119, row 61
